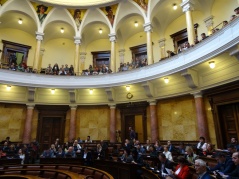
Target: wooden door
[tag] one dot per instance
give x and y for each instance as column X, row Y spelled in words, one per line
column 51, row 129
column 229, row 119
column 101, row 62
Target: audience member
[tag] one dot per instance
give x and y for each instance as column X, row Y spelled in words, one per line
column 201, row 169
column 21, row 155
column 167, row 153
column 224, row 23
column 191, row 157
column 201, row 146
column 203, row 35
column 235, row 173
column 126, row 157
column 70, row 153
column 164, row 164
column 224, row 165
column 87, row 156
column 236, row 11
column 88, row 140
column 233, row 17
column 60, row 153
column 170, row 53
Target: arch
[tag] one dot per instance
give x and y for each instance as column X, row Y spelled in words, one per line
column 127, row 10
column 56, row 15
column 94, row 15
column 18, row 6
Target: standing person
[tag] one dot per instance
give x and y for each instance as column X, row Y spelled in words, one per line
column 132, row 134
column 41, row 9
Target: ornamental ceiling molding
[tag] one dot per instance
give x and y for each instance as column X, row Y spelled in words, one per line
column 78, row 3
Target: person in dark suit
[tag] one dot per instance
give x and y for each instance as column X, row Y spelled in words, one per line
column 201, row 169
column 224, row 165
column 235, row 173
column 132, row 134
column 164, row 163
column 87, row 156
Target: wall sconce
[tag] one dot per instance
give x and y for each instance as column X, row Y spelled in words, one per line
column 127, row 88
column 91, row 91
column 52, row 91
column 212, row 64
column 20, row 21
column 136, row 24
column 8, row 87
column 100, row 31
column 62, row 30
column 166, row 80
column 175, row 6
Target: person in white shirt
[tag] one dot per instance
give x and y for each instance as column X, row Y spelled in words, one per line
column 201, row 146
column 167, row 153
column 21, row 156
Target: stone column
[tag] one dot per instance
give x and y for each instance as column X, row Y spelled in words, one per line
column 187, row 6
column 77, row 52
column 40, row 58
column 112, row 53
column 209, row 24
column 162, row 47
column 72, row 129
column 201, row 116
column 153, row 121
column 121, row 55
column 148, row 30
column 82, row 61
column 28, row 125
column 112, row 123
column 39, row 37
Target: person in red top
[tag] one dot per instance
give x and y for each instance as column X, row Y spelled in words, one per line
column 182, row 170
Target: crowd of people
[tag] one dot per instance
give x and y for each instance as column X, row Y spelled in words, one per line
column 186, row 45
column 63, row 70
column 174, row 161
column 103, row 69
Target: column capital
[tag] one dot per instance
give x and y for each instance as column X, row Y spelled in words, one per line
column 152, row 103
column 112, row 106
column 187, row 5
column 148, row 27
column 209, row 21
column 30, row 106
column 162, row 43
column 39, row 36
column 197, row 94
column 77, row 40
column 121, row 50
column 73, row 107
column 112, row 37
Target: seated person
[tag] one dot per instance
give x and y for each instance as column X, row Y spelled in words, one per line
column 60, row 153
column 182, row 170
column 191, row 157
column 236, row 11
column 201, row 169
column 233, row 17
column 140, row 150
column 170, row 53
column 167, row 153
column 224, row 23
column 224, row 165
column 203, row 35
column 5, row 146
column 21, row 155
column 12, row 67
column 235, row 173
column 181, row 148
column 49, row 70
column 210, row 151
column 201, row 146
column 235, row 143
column 88, row 140
column 2, row 154
column 171, row 148
column 126, row 157
column 100, row 152
column 76, row 146
column 70, row 153
column 47, row 154
column 157, row 146
column 147, row 145
column 152, row 151
column 164, row 164
column 87, row 156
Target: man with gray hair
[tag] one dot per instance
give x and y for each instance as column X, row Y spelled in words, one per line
column 201, row 169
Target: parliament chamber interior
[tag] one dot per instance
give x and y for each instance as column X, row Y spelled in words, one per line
column 123, row 89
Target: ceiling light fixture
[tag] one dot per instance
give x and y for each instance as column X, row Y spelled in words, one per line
column 127, row 88
column 52, row 91
column 136, row 24
column 8, row 87
column 62, row 30
column 212, row 64
column 166, row 80
column 91, row 91
column 20, row 21
column 100, row 31
column 175, row 6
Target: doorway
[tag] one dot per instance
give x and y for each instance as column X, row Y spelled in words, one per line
column 101, row 58
column 51, row 125
column 229, row 120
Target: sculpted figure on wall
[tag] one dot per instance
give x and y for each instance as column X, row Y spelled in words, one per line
column 41, row 12
column 77, row 18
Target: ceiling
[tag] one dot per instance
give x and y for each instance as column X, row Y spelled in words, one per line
column 78, row 3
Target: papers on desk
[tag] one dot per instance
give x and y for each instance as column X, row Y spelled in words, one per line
column 169, row 171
